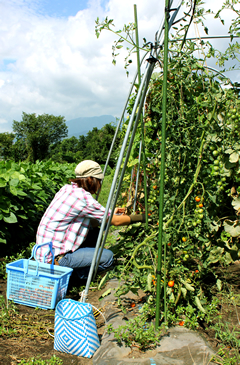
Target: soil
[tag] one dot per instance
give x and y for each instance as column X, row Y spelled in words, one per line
column 37, row 340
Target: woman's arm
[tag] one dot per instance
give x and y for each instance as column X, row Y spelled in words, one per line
column 121, row 220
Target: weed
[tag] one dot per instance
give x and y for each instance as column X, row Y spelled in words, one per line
column 137, row 332
column 18, row 325
column 37, row 361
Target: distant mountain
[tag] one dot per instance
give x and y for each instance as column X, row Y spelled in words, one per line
column 81, row 126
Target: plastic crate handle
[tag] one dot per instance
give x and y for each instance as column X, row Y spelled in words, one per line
column 34, row 250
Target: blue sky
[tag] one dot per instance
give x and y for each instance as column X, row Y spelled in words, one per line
column 51, row 61
column 62, row 8
column 65, row 8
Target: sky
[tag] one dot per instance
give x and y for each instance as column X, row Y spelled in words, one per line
column 52, row 62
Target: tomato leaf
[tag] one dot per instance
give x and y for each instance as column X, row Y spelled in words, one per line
column 232, row 227
column 236, row 203
column 234, row 157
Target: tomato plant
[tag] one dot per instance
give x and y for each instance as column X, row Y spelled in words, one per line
column 201, row 183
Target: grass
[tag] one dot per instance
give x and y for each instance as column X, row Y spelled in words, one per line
column 106, row 186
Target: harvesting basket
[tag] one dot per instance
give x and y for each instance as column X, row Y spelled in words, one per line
column 37, row 284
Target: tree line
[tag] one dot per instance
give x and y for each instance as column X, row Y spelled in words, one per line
column 44, row 137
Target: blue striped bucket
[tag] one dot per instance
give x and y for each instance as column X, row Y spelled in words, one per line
column 75, row 330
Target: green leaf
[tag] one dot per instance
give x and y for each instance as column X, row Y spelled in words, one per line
column 103, row 280
column 184, row 291
column 133, row 162
column 3, row 182
column 36, row 187
column 219, row 284
column 229, row 151
column 14, row 182
column 187, row 285
column 107, row 292
column 22, row 216
column 234, row 157
column 21, row 193
column 13, row 190
column 199, row 305
column 213, row 198
column 236, row 203
column 11, row 219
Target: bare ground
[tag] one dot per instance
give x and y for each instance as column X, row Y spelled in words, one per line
column 34, row 328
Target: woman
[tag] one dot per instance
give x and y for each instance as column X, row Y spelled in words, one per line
column 69, row 220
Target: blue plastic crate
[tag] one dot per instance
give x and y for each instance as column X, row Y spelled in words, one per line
column 37, row 284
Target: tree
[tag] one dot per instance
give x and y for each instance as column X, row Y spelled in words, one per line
column 65, row 150
column 99, row 143
column 37, row 133
column 6, row 145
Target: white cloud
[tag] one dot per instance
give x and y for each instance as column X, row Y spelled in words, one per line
column 58, row 66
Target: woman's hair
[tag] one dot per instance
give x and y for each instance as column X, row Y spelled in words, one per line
column 90, row 184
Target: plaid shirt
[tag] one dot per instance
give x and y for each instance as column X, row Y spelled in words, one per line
column 66, row 221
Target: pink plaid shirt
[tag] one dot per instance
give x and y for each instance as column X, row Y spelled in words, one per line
column 66, row 221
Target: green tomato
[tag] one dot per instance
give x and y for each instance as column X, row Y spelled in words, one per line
column 215, row 153
column 234, row 111
column 216, row 168
column 224, row 179
column 219, row 183
column 216, row 162
column 200, row 211
column 200, row 216
column 199, row 221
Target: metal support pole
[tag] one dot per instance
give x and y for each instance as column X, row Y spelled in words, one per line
column 111, row 193
column 145, row 80
column 137, row 176
column 140, row 99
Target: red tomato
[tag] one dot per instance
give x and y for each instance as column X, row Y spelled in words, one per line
column 171, row 283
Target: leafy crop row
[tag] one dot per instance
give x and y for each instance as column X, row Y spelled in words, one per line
column 26, row 189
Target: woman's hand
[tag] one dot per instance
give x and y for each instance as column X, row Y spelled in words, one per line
column 119, row 210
